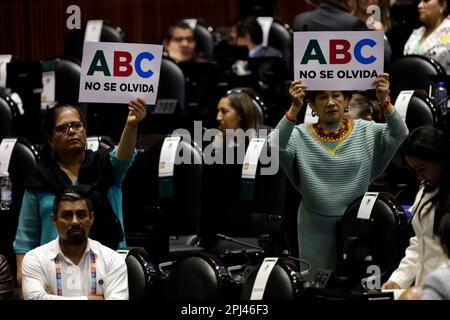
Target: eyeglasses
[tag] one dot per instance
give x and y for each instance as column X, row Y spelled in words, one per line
column 63, row 129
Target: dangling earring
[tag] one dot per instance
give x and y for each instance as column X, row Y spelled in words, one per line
column 346, row 109
column 313, row 113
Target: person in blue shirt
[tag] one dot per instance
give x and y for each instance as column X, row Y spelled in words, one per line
column 66, row 162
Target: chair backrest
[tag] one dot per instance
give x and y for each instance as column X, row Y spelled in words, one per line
column 379, row 240
column 422, row 111
column 73, row 46
column 67, row 84
column 280, row 37
column 414, row 72
column 23, row 160
column 142, row 186
column 201, row 277
column 142, row 274
column 172, row 83
column 284, row 282
column 204, row 39
column 6, row 116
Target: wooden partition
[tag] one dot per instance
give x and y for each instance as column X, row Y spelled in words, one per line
column 36, row 29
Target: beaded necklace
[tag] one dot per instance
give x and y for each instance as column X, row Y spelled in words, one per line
column 334, row 136
column 93, row 272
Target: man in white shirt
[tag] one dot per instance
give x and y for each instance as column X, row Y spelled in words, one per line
column 73, row 266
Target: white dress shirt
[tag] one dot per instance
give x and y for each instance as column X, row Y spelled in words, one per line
column 39, row 268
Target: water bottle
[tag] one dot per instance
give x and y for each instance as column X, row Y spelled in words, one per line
column 440, row 97
column 6, row 192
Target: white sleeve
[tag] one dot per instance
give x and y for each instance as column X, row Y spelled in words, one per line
column 34, row 279
column 115, row 285
column 406, row 272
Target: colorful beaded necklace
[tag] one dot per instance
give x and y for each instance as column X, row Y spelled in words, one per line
column 334, row 136
column 93, row 269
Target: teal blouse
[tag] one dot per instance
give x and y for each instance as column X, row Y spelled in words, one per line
column 35, row 227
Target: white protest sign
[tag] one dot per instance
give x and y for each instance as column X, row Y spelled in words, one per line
column 265, row 23
column 93, row 31
column 338, row 60
column 119, row 72
column 6, row 149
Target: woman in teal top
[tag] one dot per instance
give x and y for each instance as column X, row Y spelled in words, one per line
column 100, row 174
column 332, row 163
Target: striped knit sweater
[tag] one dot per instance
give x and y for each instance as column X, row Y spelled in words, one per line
column 327, row 183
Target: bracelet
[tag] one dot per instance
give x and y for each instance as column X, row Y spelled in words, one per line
column 383, row 105
column 290, row 118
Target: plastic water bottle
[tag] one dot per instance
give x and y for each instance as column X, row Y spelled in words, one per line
column 440, row 96
column 6, row 191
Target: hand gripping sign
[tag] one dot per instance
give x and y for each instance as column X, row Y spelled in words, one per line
column 119, row 72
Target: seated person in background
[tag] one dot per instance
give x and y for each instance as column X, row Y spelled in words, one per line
column 433, row 38
column 436, row 285
column 236, row 110
column 73, row 266
column 180, row 44
column 428, row 153
column 66, row 162
column 249, row 33
column 362, row 107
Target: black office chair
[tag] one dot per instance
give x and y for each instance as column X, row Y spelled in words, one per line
column 199, row 277
column 249, row 211
column 414, row 72
column 280, row 37
column 23, row 160
column 204, row 39
column 284, row 282
column 8, row 115
column 67, row 79
column 144, row 277
column 152, row 215
column 379, row 240
column 398, row 178
column 73, row 45
column 172, row 88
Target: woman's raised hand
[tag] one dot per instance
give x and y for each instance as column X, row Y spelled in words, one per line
column 137, row 112
column 297, row 93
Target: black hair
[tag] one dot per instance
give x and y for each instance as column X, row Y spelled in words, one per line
column 431, row 144
column 48, row 125
column 251, row 26
column 241, row 99
column 72, row 195
column 168, row 32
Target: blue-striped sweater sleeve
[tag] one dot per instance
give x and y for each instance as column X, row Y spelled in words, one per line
column 283, row 140
column 388, row 137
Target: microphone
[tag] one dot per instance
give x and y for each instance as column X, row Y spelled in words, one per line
column 224, row 237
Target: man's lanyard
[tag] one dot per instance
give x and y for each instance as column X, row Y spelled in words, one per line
column 93, row 272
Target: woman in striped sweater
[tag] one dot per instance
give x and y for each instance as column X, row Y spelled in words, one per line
column 332, row 163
